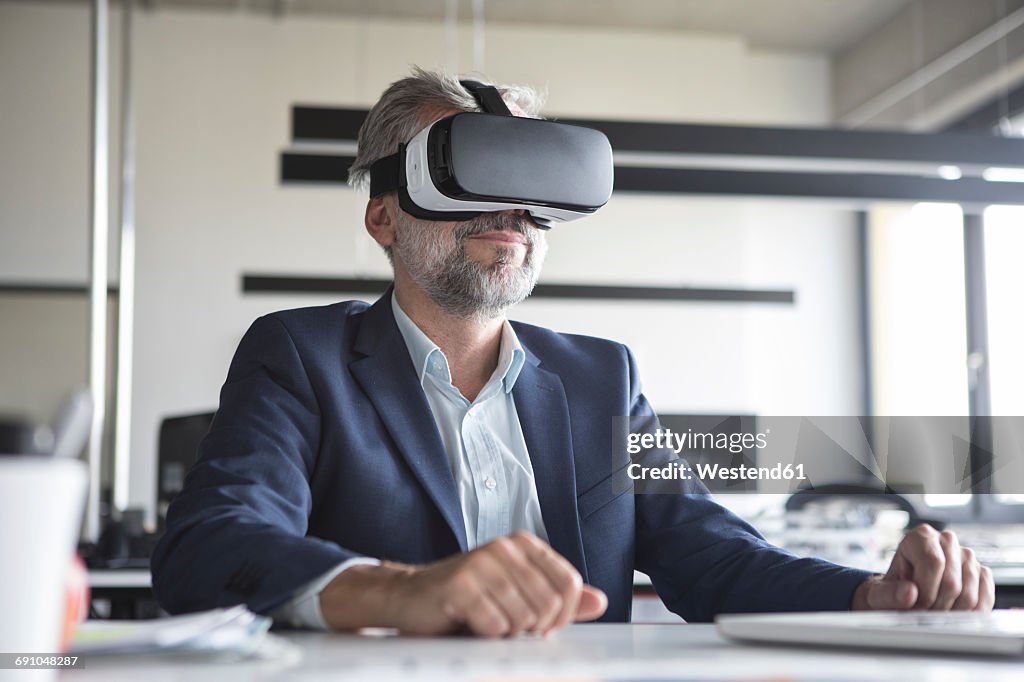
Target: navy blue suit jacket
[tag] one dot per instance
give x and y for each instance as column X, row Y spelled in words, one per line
column 324, row 448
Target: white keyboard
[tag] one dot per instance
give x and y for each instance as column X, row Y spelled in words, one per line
column 998, row 632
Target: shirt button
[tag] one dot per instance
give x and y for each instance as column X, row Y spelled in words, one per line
column 491, row 483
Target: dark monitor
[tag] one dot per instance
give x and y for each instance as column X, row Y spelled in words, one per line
column 179, row 442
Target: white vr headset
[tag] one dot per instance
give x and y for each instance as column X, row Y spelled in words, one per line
column 471, row 163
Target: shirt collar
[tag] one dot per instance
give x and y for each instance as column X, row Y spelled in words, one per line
column 428, row 358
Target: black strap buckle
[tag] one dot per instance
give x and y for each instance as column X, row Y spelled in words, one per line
column 488, row 97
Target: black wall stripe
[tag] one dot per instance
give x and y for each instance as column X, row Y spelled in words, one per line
column 50, row 289
column 291, row 284
column 328, row 168
column 326, row 123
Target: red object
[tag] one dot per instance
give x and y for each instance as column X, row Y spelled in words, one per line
column 76, row 608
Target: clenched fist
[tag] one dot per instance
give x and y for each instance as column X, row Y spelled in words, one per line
column 509, row 586
column 930, row 571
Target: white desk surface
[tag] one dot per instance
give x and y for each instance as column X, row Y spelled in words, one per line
column 135, row 577
column 580, row 652
column 120, row 577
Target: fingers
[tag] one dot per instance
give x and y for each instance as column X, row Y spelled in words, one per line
column 971, row 582
column 507, row 594
column 894, row 596
column 480, row 595
column 517, row 584
column 593, row 603
column 544, row 601
column 471, row 604
column 986, row 589
column 562, row 577
column 886, row 594
column 899, row 569
column 951, row 579
column 946, row 576
column 926, row 557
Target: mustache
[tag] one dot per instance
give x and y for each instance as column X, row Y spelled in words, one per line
column 504, row 222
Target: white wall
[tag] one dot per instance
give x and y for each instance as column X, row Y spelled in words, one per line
column 214, row 93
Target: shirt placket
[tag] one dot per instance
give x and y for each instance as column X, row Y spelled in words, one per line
column 488, row 476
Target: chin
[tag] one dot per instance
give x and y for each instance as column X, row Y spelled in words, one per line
column 504, row 269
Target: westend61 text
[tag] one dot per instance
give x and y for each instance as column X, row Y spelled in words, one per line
column 680, row 471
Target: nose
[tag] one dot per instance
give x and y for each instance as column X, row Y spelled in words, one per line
column 522, row 213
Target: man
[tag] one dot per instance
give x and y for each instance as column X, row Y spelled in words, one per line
column 423, row 464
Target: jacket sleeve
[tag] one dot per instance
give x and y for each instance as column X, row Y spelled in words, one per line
column 237, row 532
column 704, row 560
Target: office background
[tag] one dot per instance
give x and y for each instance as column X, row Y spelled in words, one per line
column 214, row 86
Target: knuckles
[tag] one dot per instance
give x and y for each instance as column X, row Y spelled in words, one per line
column 947, row 537
column 924, row 530
column 522, row 536
column 985, row 573
column 933, row 558
column 551, row 605
column 463, row 582
column 502, row 545
column 490, row 572
column 492, row 626
column 950, row 584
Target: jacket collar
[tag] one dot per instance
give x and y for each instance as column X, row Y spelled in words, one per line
column 387, row 376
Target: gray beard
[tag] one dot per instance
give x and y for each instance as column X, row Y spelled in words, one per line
column 456, row 283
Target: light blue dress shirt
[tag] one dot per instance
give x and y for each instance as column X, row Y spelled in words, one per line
column 486, row 452
column 483, row 438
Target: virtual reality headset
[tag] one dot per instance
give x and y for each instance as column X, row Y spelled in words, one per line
column 471, row 163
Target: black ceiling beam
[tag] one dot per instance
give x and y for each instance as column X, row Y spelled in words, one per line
column 856, row 186
column 333, row 169
column 811, row 143
column 328, row 123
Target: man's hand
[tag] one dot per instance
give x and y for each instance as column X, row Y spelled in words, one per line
column 509, row 586
column 930, row 571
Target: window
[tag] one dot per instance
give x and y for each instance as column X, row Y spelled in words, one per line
column 1004, row 282
column 919, row 340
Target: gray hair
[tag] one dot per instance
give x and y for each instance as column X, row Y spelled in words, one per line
column 412, row 103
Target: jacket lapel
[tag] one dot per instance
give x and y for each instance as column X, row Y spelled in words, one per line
column 544, row 417
column 387, row 376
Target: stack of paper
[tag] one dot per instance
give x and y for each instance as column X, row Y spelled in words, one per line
column 234, row 630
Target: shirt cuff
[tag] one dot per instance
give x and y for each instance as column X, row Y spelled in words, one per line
column 303, row 610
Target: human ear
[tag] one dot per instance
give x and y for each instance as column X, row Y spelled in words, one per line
column 380, row 221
